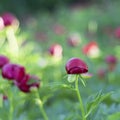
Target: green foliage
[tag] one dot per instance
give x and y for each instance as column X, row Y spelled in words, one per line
column 115, row 116
column 58, row 95
column 96, row 100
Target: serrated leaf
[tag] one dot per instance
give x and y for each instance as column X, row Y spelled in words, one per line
column 115, row 116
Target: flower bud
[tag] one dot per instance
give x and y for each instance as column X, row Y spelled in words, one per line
column 27, row 83
column 10, row 20
column 91, row 49
column 76, row 66
column 111, row 61
column 13, row 71
column 56, row 50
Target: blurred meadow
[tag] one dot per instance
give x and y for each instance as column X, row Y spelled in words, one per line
column 42, row 37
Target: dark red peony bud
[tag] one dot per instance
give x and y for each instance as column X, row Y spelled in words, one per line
column 117, row 32
column 9, row 19
column 27, row 82
column 76, row 66
column 56, row 50
column 13, row 71
column 3, row 60
column 112, row 61
column 91, row 49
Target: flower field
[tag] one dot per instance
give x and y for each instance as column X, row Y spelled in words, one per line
column 63, row 65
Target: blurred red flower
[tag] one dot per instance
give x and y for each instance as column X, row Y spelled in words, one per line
column 13, row 71
column 111, row 61
column 56, row 50
column 3, row 60
column 91, row 49
column 27, row 83
column 10, row 20
column 117, row 32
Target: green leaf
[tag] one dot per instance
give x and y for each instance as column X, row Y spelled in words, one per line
column 71, row 78
column 116, row 96
column 82, row 80
column 92, row 105
column 115, row 116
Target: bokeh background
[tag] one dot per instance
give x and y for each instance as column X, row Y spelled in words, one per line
column 48, row 33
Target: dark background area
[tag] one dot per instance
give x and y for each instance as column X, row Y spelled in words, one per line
column 33, row 6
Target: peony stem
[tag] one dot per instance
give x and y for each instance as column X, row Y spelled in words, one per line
column 11, row 109
column 12, row 41
column 40, row 103
column 79, row 98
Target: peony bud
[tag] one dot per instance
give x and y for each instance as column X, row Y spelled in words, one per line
column 13, row 71
column 76, row 66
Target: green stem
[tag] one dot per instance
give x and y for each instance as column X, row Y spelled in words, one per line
column 12, row 41
column 11, row 102
column 79, row 98
column 40, row 103
column 11, row 108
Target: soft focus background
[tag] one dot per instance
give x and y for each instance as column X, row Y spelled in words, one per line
column 45, row 34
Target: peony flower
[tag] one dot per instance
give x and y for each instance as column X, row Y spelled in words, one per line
column 76, row 66
column 10, row 20
column 91, row 49
column 56, row 50
column 27, row 83
column 3, row 60
column 111, row 61
column 13, row 71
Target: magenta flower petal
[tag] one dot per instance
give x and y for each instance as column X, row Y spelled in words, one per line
column 27, row 82
column 13, row 71
column 9, row 19
column 76, row 66
column 56, row 50
column 3, row 60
